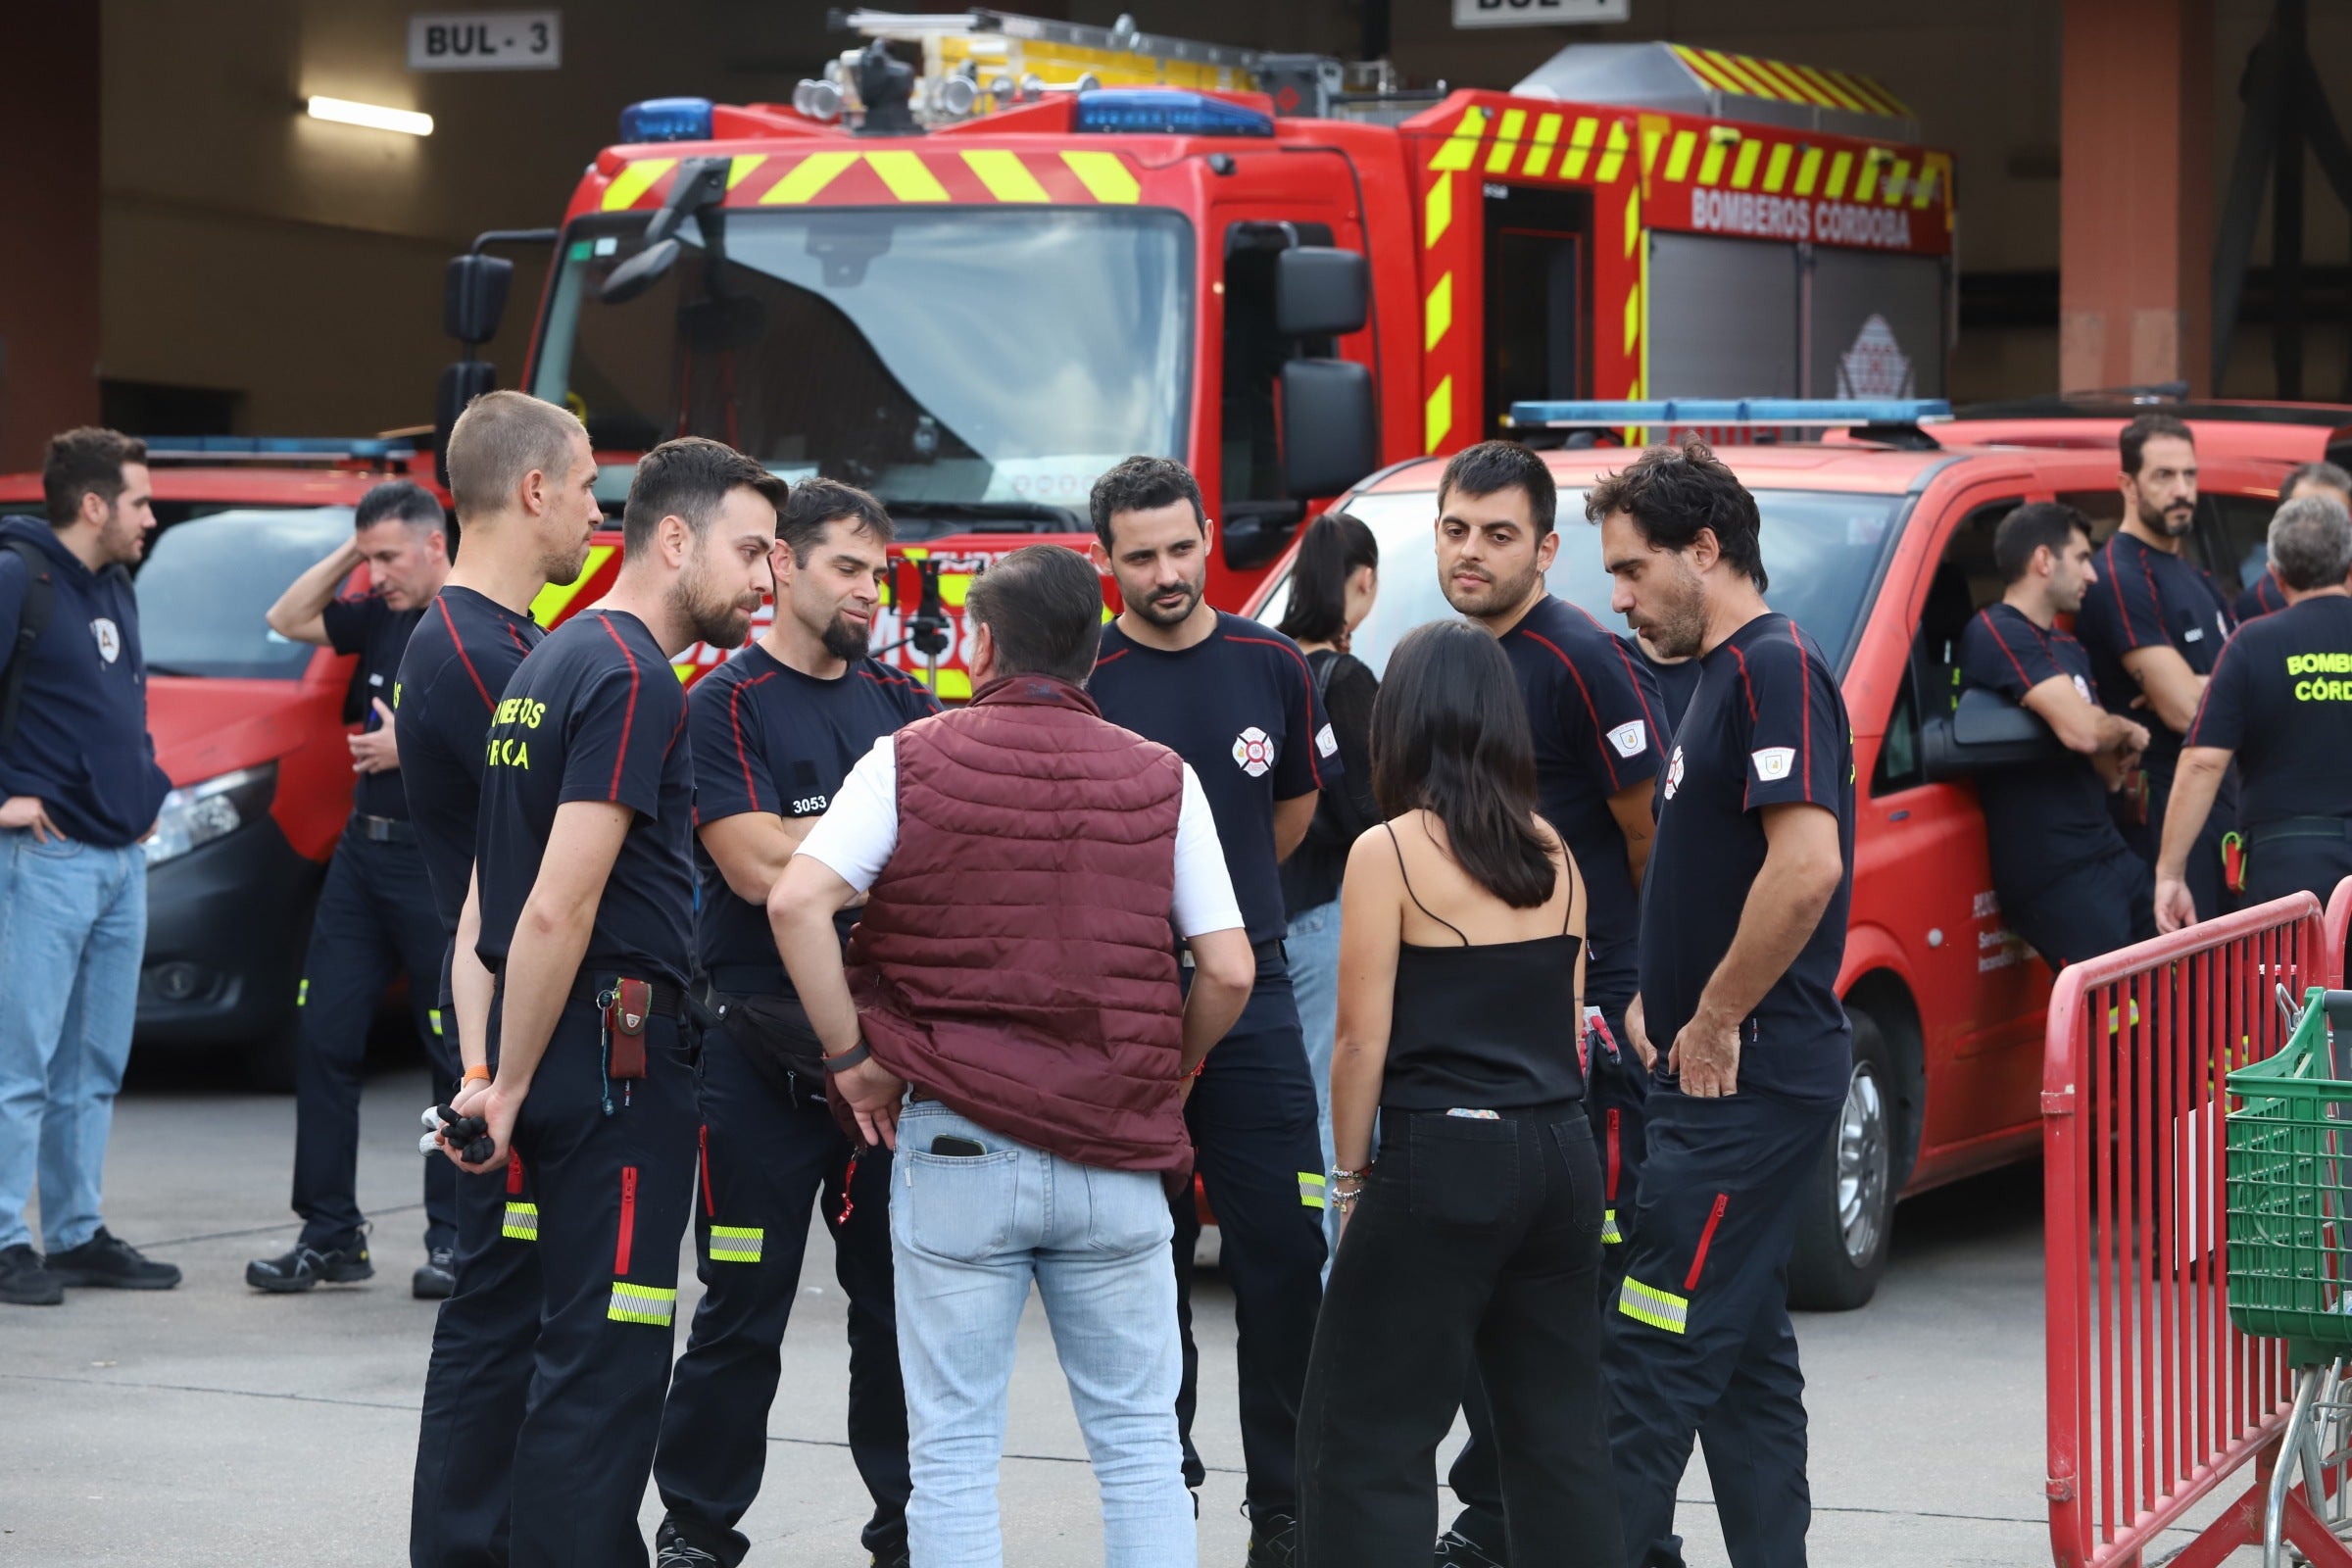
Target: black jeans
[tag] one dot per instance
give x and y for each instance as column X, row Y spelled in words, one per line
column 1477, row 1244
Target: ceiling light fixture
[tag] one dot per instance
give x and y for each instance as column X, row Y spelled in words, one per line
column 375, row 117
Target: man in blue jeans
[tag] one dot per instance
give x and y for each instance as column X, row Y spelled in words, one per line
column 78, row 789
column 1012, row 1012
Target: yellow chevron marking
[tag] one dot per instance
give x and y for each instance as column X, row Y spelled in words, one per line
column 1632, row 317
column 808, row 177
column 1677, row 162
column 1633, row 217
column 1869, row 182
column 1436, row 415
column 1898, row 182
column 1775, row 173
column 1612, row 156
column 1808, row 169
column 1506, row 141
column 1580, row 147
column 1732, row 66
column 555, row 597
column 1104, row 176
column 1839, row 166
column 1938, row 167
column 1437, row 312
column 741, row 166
column 1744, row 171
column 1455, row 151
column 1704, row 68
column 1006, row 178
column 1539, row 151
column 1437, row 209
column 908, row 180
column 1828, row 82
column 1720, row 140
column 634, row 181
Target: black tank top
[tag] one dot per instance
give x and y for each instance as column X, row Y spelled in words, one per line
column 1487, row 1026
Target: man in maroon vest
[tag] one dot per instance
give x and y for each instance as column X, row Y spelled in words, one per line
column 1010, row 1012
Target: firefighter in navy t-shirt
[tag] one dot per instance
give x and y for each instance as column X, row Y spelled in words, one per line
column 1744, row 912
column 774, row 731
column 523, row 478
column 375, row 917
column 2154, row 628
column 2280, row 705
column 2267, row 593
column 2067, row 881
column 1235, row 699
column 1599, row 727
column 583, row 908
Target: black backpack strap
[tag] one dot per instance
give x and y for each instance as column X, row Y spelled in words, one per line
column 32, row 618
column 1323, row 663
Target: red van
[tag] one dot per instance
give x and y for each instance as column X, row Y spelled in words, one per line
column 1883, row 554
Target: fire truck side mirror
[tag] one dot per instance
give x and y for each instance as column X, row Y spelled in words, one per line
column 461, row 384
column 1329, row 426
column 1320, row 292
column 474, row 297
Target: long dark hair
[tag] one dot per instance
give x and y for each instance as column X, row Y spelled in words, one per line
column 1450, row 736
column 1335, row 545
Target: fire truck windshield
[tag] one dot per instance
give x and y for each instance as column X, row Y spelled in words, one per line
column 1822, row 549
column 212, row 574
column 978, row 361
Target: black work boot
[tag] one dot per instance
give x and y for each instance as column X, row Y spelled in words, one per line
column 106, row 1260
column 676, row 1546
column 1273, row 1541
column 1457, row 1550
column 24, row 1281
column 436, row 1277
column 305, row 1266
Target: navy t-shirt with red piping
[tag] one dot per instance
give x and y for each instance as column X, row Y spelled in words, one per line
column 594, row 713
column 1600, row 726
column 459, row 660
column 2041, row 819
column 380, row 635
column 2264, row 597
column 768, row 738
column 1767, row 726
column 2280, row 700
column 2148, row 598
column 1239, row 707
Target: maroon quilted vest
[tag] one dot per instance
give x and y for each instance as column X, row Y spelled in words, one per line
column 1015, row 959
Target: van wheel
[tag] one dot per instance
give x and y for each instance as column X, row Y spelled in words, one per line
column 1848, row 1210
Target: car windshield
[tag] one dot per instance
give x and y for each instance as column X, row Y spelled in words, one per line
column 207, row 583
column 1821, row 548
column 974, row 366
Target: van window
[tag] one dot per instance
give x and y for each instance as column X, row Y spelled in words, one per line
column 2231, row 539
column 1965, row 582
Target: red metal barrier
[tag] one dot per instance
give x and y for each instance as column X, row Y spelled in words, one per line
column 2154, row 1399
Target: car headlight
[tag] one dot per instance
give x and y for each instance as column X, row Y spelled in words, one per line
column 214, row 809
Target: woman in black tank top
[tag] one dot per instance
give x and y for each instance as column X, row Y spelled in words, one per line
column 1472, row 1244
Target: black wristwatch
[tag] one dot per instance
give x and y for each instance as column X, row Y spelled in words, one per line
column 848, row 1058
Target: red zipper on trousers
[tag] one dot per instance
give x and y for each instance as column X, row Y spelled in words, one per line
column 1706, row 1236
column 1612, row 1153
column 513, row 1173
column 628, row 1220
column 710, row 1203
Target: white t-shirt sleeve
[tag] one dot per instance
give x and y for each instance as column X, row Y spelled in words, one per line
column 860, row 831
column 1205, row 900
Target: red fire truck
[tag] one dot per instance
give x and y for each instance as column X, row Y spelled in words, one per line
column 972, row 281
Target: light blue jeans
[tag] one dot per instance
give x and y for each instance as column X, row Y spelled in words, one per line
column 73, row 925
column 1314, row 946
column 967, row 1235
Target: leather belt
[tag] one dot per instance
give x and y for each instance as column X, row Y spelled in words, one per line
column 667, row 1001
column 383, row 829
column 2301, row 828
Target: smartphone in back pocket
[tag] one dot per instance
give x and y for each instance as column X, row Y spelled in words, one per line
column 950, row 1147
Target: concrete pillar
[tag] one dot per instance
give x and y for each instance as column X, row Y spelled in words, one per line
column 49, row 262
column 2135, row 193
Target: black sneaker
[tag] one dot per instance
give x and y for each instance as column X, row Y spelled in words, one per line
column 305, row 1266
column 107, row 1261
column 672, row 1549
column 1457, row 1550
column 1273, row 1541
column 904, row 1558
column 24, row 1281
column 436, row 1277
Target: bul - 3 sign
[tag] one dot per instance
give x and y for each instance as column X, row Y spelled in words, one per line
column 1537, row 13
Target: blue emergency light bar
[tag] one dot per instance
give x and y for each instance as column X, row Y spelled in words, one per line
column 667, row 119
column 274, row 446
column 1823, row 412
column 1166, row 110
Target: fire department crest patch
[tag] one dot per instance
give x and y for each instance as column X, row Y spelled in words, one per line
column 110, row 639
column 1253, row 750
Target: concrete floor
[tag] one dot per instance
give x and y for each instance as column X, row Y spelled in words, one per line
column 213, row 1425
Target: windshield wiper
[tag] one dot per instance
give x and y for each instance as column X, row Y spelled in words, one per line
column 993, row 517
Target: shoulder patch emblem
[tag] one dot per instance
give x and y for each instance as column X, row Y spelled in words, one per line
column 1772, row 763
column 1674, row 772
column 1326, row 742
column 110, row 639
column 1631, row 739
